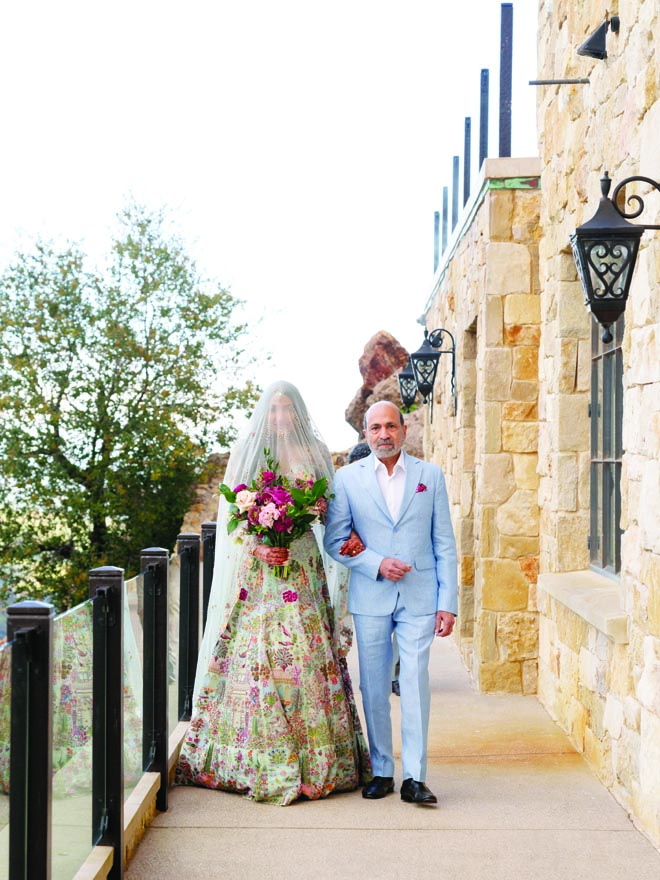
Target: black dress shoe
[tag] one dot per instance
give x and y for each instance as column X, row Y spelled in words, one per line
column 378, row 787
column 417, row 793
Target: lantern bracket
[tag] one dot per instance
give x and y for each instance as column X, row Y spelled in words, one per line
column 634, row 199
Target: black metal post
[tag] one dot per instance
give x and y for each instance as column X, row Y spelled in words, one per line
column 506, row 63
column 155, row 562
column 483, row 118
column 467, row 158
column 30, row 627
column 208, row 560
column 188, row 549
column 105, row 589
column 445, row 216
column 454, row 194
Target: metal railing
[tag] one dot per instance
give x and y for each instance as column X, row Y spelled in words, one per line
column 85, row 704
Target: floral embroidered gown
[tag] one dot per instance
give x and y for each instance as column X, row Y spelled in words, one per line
column 275, row 718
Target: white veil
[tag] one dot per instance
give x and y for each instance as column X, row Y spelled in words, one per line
column 280, row 423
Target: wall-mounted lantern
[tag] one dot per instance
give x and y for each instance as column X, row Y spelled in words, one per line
column 605, row 250
column 424, row 364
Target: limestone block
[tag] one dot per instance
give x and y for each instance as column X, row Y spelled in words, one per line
column 504, row 587
column 571, row 531
column 649, row 519
column 567, row 360
column 523, row 390
column 515, row 546
column 524, row 470
column 500, row 677
column 520, row 411
column 467, row 570
column 651, row 578
column 649, row 758
column 576, row 723
column 487, row 531
column 529, row 565
column 530, row 676
column 572, row 422
column 648, row 686
column 571, row 629
column 486, row 639
column 500, row 214
column 572, row 316
column 522, row 308
column 496, row 481
column 468, row 448
column 493, row 320
column 565, row 482
column 526, row 363
column 492, row 441
column 591, row 672
column 645, row 342
column 508, row 268
column 598, row 754
column 497, row 374
column 632, row 713
column 613, row 717
column 519, row 515
column 519, row 436
column 517, row 636
column 583, row 376
column 595, row 706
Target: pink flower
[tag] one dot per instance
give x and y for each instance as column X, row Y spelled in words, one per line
column 240, row 487
column 280, row 495
column 284, row 524
column 268, row 477
column 421, row 487
column 290, row 596
column 268, row 515
column 243, row 594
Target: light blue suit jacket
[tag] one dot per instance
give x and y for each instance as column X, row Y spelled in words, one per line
column 421, row 536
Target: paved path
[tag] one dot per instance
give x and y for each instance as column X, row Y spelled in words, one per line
column 516, row 803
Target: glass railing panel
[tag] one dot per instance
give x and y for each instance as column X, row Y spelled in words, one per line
column 133, row 709
column 173, row 641
column 5, row 734
column 73, row 835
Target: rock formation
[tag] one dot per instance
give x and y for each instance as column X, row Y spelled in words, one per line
column 383, row 358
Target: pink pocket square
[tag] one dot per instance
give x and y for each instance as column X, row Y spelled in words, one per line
column 421, row 487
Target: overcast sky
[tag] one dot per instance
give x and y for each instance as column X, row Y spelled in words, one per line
column 301, row 146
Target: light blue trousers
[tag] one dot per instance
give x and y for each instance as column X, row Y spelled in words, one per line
column 414, row 636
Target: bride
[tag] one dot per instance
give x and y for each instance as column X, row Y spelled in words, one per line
column 274, row 715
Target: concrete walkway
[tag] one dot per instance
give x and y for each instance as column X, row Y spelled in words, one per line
column 516, row 801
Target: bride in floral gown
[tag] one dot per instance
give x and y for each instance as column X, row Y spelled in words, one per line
column 274, row 714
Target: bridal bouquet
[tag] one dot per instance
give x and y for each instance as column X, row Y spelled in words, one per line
column 276, row 509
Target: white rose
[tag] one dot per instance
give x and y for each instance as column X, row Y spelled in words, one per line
column 244, row 499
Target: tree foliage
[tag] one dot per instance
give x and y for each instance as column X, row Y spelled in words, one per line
column 112, row 386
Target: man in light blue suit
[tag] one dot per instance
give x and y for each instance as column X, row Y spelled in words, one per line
column 403, row 581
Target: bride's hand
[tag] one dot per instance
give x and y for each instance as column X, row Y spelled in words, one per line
column 353, row 546
column 271, row 555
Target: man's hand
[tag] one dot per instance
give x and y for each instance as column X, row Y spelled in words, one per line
column 271, row 555
column 393, row 569
column 444, row 623
column 353, row 546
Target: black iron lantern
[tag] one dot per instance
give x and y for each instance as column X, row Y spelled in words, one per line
column 605, row 249
column 407, row 386
column 424, row 363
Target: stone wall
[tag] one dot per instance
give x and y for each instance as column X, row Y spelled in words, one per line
column 487, row 295
column 603, row 689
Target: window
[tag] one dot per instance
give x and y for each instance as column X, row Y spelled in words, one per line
column 606, row 412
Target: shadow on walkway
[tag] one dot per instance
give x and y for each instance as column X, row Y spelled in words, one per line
column 515, row 801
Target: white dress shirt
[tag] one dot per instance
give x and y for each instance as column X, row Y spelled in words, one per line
column 392, row 486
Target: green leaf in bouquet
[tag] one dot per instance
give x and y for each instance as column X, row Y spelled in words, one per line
column 232, row 525
column 299, row 497
column 229, row 494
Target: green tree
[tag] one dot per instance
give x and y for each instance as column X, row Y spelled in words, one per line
column 112, row 386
